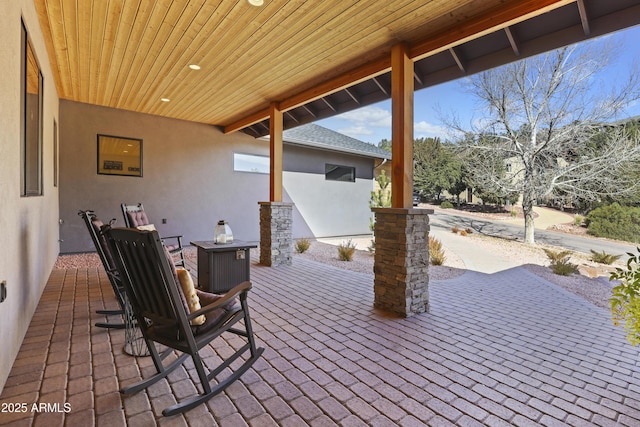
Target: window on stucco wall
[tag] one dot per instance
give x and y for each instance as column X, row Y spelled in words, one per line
column 339, row 173
column 250, row 163
column 31, row 120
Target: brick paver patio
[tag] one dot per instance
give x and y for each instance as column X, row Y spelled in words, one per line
column 502, row 349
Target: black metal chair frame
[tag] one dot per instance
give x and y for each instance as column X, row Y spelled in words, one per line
column 179, row 250
column 156, row 300
column 89, row 218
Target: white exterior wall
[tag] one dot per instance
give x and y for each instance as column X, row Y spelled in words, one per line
column 329, row 208
column 28, row 225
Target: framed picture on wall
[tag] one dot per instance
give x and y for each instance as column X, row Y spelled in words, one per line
column 118, row 155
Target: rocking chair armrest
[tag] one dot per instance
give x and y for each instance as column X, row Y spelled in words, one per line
column 171, row 237
column 231, row 294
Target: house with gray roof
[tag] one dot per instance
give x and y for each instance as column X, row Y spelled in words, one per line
column 329, row 177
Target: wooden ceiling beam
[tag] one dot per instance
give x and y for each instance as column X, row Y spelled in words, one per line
column 458, row 59
column 584, row 18
column 496, row 19
column 377, row 82
column 288, row 113
column 372, row 69
column 247, row 121
column 352, row 97
column 309, row 111
column 328, row 104
column 512, row 41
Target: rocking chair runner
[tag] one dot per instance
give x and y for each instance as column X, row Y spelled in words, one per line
column 93, row 226
column 163, row 314
column 135, row 216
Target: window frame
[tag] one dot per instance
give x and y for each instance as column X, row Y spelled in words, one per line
column 263, row 171
column 116, row 166
column 331, row 167
column 31, row 146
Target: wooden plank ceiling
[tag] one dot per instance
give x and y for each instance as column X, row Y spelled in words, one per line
column 315, row 58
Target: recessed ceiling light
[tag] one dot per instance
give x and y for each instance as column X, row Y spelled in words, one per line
column 256, row 2
column 194, row 66
column 165, row 99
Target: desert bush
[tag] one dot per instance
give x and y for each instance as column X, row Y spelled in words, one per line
column 436, row 253
column 469, row 230
column 615, row 222
column 560, row 262
column 625, row 300
column 577, row 220
column 302, row 245
column 463, row 232
column 455, row 229
column 603, row 257
column 564, row 268
column 346, row 250
column 446, row 205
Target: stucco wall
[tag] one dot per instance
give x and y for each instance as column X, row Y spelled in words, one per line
column 188, row 176
column 28, row 225
column 329, row 208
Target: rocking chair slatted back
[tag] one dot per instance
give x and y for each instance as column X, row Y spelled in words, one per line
column 155, row 295
column 94, row 225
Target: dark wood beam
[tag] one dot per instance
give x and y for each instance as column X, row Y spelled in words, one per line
column 512, row 41
column 458, row 59
column 584, row 18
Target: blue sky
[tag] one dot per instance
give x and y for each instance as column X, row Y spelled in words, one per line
column 373, row 123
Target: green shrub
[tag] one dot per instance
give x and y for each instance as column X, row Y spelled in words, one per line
column 560, row 262
column 625, row 300
column 513, row 213
column 615, row 222
column 302, row 245
column 564, row 268
column 577, row 220
column 603, row 257
column 436, row 253
column 346, row 250
column 446, row 205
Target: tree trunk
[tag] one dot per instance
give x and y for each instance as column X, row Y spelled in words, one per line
column 527, row 208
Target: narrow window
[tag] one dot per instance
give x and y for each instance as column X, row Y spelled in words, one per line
column 31, row 126
column 339, row 173
column 250, row 163
column 55, row 153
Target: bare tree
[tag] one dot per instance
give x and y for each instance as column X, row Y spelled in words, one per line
column 544, row 129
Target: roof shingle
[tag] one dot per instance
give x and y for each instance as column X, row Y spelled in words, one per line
column 316, row 136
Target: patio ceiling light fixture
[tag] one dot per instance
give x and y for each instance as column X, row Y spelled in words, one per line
column 256, row 2
column 194, row 66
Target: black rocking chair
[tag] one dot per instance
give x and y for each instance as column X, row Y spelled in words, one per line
column 164, row 316
column 93, row 226
column 135, row 216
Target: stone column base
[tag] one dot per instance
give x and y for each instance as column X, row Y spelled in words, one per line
column 401, row 262
column 276, row 235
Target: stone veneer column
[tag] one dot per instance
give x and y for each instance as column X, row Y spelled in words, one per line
column 276, row 236
column 401, row 262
